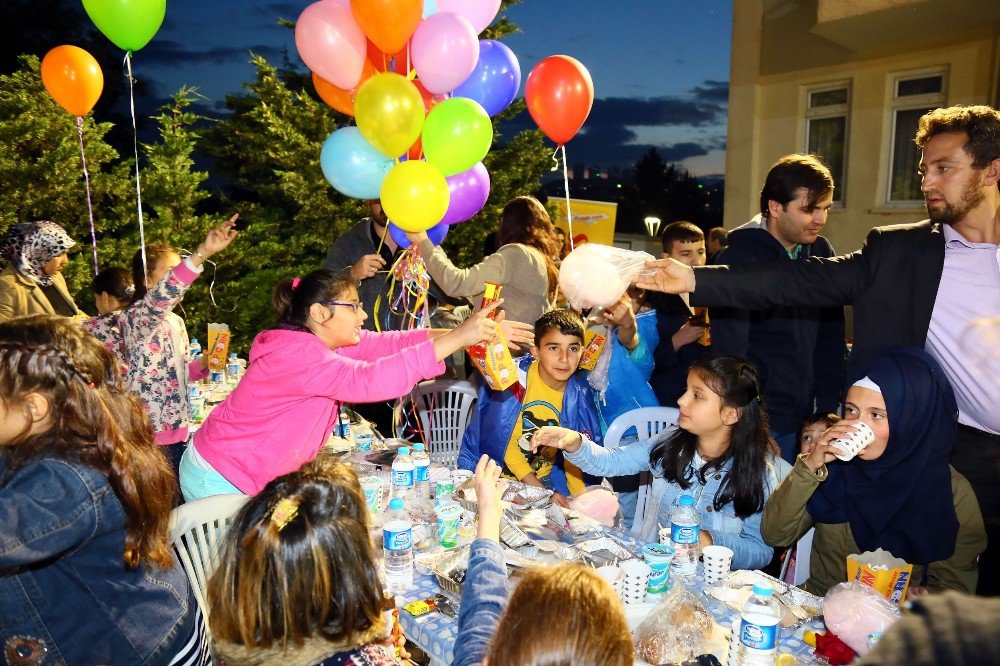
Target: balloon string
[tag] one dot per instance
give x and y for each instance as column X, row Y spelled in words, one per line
column 569, row 213
column 135, row 147
column 86, row 179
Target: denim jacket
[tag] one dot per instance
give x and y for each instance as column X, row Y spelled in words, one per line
column 750, row 551
column 484, row 599
column 66, row 596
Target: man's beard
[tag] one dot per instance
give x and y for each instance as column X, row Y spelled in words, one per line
column 956, row 212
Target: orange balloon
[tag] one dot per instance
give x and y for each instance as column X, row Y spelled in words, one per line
column 388, row 23
column 338, row 98
column 73, row 78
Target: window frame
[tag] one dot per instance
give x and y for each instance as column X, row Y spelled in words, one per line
column 897, row 103
column 824, row 113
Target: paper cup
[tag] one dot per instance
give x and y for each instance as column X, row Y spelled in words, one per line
column 448, row 516
column 855, row 443
column 460, row 476
column 658, row 557
column 373, row 487
column 718, row 563
column 665, row 536
column 610, row 573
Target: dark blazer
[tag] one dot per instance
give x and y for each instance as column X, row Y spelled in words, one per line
column 891, row 282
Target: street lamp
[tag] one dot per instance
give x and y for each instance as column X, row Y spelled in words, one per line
column 652, row 226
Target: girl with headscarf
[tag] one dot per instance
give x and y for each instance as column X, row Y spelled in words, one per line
column 35, row 253
column 899, row 493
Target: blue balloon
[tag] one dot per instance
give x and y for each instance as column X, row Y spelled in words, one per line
column 435, row 234
column 352, row 165
column 495, row 80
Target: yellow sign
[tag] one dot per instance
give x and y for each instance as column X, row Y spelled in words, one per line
column 593, row 219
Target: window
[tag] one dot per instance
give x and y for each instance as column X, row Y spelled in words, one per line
column 913, row 95
column 826, row 130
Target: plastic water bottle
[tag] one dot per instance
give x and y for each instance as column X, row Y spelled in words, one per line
column 196, row 404
column 397, row 532
column 685, row 532
column 194, row 348
column 403, row 473
column 344, row 424
column 421, row 472
column 233, row 370
column 759, row 627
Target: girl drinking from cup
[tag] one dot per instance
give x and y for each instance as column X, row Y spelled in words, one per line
column 719, row 453
column 87, row 575
column 898, row 494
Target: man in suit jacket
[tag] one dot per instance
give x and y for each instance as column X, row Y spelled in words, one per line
column 931, row 285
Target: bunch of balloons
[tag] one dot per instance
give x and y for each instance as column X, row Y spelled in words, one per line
column 421, row 87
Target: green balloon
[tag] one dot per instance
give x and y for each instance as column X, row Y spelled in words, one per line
column 129, row 24
column 457, row 135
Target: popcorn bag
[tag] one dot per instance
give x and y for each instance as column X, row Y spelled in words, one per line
column 218, row 346
column 493, row 359
column 879, row 570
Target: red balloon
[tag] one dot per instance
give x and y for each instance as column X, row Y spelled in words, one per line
column 381, row 60
column 559, row 93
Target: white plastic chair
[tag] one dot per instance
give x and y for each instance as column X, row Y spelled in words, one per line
column 445, row 409
column 648, row 422
column 196, row 531
column 803, row 552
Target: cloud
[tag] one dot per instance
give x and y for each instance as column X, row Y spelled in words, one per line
column 169, row 52
column 712, row 91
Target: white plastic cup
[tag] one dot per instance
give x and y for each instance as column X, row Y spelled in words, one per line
column 611, row 574
column 853, row 444
column 718, row 561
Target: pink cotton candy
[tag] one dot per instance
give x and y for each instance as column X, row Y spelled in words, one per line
column 597, row 503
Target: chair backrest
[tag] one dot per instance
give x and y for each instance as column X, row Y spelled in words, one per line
column 445, row 409
column 196, row 531
column 648, row 422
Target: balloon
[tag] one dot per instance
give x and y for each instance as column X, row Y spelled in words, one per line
column 352, row 166
column 457, row 134
column 495, row 80
column 390, row 113
column 387, row 62
column 430, row 7
column 414, row 196
column 73, row 78
column 444, row 51
column 388, row 23
column 331, row 44
column 435, row 234
column 468, row 191
column 129, row 24
column 338, row 98
column 559, row 93
column 479, row 12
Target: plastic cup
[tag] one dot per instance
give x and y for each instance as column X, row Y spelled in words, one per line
column 460, row 476
column 610, row 573
column 364, row 441
column 448, row 516
column 658, row 557
column 853, row 444
column 373, row 488
column 718, row 562
column 443, row 492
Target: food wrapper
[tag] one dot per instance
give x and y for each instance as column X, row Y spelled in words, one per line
column 879, row 570
column 854, row 611
column 676, row 631
column 597, row 275
column 492, row 358
column 218, row 346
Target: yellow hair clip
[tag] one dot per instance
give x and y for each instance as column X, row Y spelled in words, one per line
column 284, row 512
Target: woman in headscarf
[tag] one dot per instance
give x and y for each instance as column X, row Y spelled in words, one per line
column 35, row 253
column 898, row 494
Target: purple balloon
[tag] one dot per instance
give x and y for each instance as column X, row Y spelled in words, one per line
column 436, row 234
column 469, row 191
column 495, row 80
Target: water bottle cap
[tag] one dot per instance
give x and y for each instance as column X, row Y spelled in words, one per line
column 762, row 589
column 194, row 340
column 419, row 446
column 396, row 503
column 404, row 451
column 686, row 500
column 232, row 355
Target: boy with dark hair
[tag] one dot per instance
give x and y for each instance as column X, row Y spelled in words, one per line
column 549, row 391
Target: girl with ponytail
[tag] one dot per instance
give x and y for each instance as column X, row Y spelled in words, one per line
column 86, row 571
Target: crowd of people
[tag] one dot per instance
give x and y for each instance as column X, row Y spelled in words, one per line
column 96, row 445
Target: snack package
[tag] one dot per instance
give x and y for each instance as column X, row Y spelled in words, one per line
column 493, row 359
column 676, row 631
column 852, row 611
column 594, row 341
column 879, row 570
column 218, row 346
column 597, row 275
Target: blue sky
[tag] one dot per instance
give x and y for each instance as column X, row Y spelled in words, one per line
column 660, row 68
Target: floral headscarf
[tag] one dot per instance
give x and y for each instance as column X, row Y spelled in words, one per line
column 31, row 245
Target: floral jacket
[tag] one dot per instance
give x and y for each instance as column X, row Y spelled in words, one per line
column 140, row 337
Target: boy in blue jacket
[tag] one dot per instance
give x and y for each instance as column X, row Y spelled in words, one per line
column 550, row 391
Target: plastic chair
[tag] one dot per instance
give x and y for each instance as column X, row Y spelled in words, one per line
column 445, row 409
column 803, row 553
column 648, row 423
column 196, row 531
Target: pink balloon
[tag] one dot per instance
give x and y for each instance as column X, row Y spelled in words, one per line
column 331, row 44
column 479, row 12
column 445, row 50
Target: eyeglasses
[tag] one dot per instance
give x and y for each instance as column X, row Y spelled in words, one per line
column 356, row 306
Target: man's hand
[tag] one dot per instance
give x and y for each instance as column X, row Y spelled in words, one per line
column 417, row 237
column 667, row 275
column 367, row 267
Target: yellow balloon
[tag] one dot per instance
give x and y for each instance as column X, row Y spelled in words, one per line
column 415, row 196
column 390, row 113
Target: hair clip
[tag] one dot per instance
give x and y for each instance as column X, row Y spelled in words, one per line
column 91, row 386
column 284, row 512
column 295, row 283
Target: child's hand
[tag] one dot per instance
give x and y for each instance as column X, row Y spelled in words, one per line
column 417, row 237
column 560, row 499
column 686, row 334
column 219, row 238
column 479, row 327
column 621, row 315
column 489, row 491
column 557, row 438
column 515, row 332
column 824, row 451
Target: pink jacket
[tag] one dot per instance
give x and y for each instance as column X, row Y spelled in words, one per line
column 286, row 405
column 139, row 336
